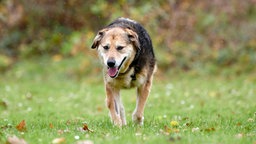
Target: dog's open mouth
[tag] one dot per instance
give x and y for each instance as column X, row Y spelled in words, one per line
column 113, row 71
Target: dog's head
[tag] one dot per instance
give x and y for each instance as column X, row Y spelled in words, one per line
column 117, row 48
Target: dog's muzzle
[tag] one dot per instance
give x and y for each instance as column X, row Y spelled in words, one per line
column 112, row 69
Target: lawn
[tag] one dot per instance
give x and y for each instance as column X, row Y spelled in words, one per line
column 57, row 100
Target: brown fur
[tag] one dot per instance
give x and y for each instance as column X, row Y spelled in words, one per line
column 131, row 72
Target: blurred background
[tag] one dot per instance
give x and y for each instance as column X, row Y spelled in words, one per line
column 198, row 36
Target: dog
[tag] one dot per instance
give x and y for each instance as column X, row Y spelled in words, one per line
column 126, row 52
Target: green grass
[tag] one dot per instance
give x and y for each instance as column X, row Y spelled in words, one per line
column 43, row 92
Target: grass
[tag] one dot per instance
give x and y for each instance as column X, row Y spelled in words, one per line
column 55, row 98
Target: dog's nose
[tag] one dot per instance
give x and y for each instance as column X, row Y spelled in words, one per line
column 111, row 62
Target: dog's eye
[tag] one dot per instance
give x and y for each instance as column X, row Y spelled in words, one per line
column 106, row 47
column 119, row 48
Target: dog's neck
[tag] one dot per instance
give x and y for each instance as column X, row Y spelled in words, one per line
column 133, row 75
column 133, row 65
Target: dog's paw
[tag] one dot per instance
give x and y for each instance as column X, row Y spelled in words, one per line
column 117, row 122
column 137, row 119
column 124, row 122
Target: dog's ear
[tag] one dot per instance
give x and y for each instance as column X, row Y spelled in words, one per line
column 133, row 37
column 98, row 38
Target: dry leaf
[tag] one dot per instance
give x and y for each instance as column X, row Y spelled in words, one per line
column 15, row 140
column 57, row 58
column 68, row 122
column 58, row 140
column 250, row 120
column 60, row 132
column 51, row 125
column 209, row 129
column 3, row 104
column 85, row 142
column 188, row 124
column 167, row 129
column 195, row 129
column 175, row 130
column 21, row 126
column 238, row 124
column 240, row 135
column 86, row 128
column 99, row 109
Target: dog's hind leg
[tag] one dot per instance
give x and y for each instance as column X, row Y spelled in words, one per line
column 113, row 105
column 142, row 95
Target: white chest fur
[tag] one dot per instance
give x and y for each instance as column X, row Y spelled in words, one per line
column 125, row 81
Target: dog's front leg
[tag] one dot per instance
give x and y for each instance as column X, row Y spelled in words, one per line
column 112, row 105
column 120, row 109
column 142, row 95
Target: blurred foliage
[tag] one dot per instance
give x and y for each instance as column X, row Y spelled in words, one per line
column 187, row 34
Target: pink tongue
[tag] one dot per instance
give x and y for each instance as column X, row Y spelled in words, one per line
column 112, row 71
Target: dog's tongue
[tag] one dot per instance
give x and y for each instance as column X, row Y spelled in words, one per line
column 112, row 71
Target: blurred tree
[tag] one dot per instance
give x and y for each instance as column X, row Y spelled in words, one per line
column 187, row 34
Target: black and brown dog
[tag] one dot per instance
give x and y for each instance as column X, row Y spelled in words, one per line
column 126, row 51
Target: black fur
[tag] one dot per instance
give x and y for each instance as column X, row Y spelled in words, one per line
column 145, row 55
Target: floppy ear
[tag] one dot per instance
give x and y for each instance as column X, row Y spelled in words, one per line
column 133, row 37
column 98, row 38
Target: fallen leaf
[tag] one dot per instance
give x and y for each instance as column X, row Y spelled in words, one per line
column 59, row 140
column 60, row 132
column 15, row 140
column 85, row 142
column 99, row 109
column 238, row 124
column 163, row 132
column 209, row 129
column 188, row 124
column 213, row 94
column 57, row 58
column 175, row 130
column 195, row 129
column 240, row 135
column 51, row 125
column 21, row 126
column 3, row 104
column 29, row 96
column 167, row 129
column 68, row 122
column 86, row 128
column 250, row 120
